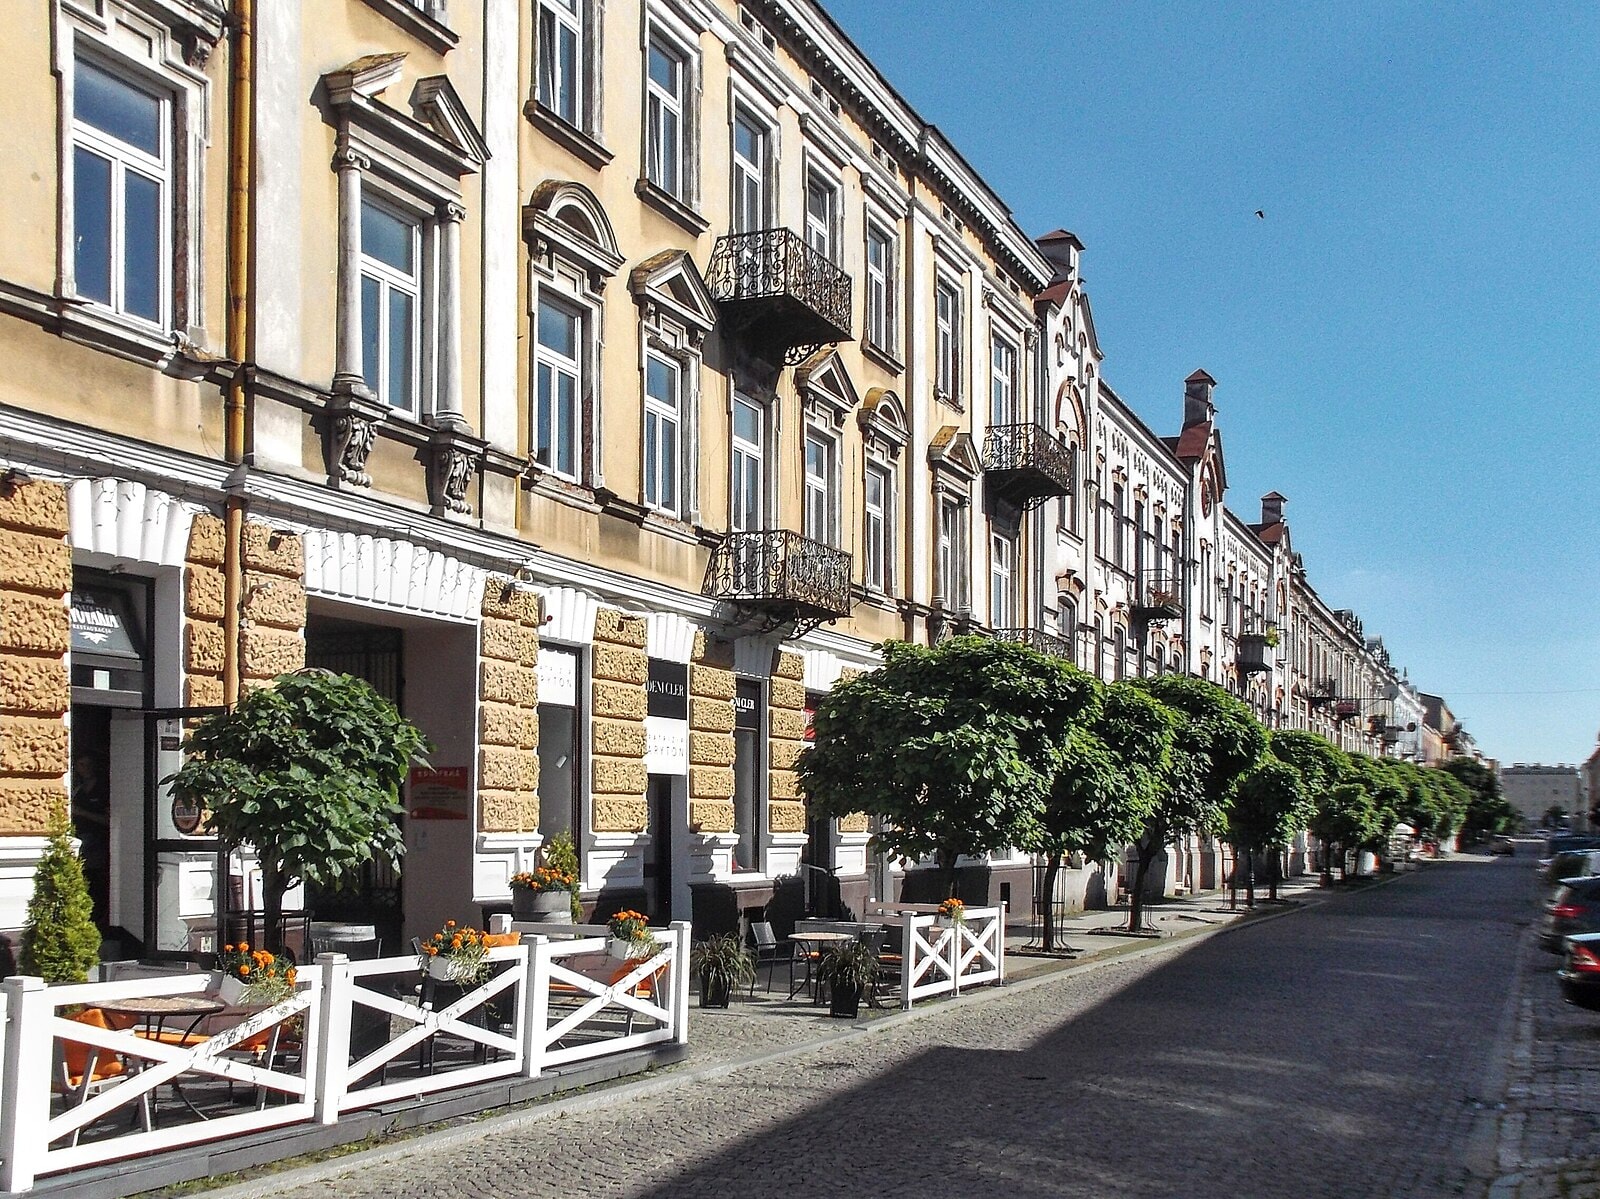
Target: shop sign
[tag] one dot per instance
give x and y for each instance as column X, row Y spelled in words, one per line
column 187, row 816
column 667, row 690
column 558, row 677
column 439, row 793
column 746, row 711
column 100, row 625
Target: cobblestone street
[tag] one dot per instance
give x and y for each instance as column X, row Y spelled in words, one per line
column 1346, row 1048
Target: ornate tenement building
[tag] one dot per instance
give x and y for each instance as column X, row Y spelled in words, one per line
column 602, row 381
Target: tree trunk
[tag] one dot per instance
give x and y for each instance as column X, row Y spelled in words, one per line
column 1327, row 864
column 273, row 885
column 1233, row 881
column 1144, row 854
column 947, row 871
column 1250, row 877
column 1052, row 868
column 1277, row 869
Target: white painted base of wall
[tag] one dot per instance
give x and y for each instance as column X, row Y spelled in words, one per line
column 19, row 858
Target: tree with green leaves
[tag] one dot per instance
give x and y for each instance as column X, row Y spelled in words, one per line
column 1268, row 808
column 1344, row 820
column 1488, row 810
column 952, row 746
column 1106, row 786
column 1216, row 742
column 307, row 772
column 1320, row 763
column 60, row 942
column 1387, row 791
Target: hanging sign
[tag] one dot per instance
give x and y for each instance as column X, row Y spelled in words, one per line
column 746, row 710
column 439, row 793
column 187, row 816
column 667, row 690
column 100, row 624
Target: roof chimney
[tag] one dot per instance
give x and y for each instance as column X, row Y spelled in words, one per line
column 1197, row 406
column 1272, row 508
column 1061, row 250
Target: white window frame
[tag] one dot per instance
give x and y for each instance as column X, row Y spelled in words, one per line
column 878, row 529
column 559, row 17
column 878, row 325
column 664, row 422
column 954, row 563
column 1002, row 581
column 682, row 106
column 749, row 452
column 545, row 357
column 389, row 279
column 820, row 491
column 949, row 330
column 1002, row 380
column 822, row 228
column 746, row 174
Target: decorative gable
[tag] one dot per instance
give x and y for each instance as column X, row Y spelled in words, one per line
column 951, row 453
column 825, row 387
column 668, row 285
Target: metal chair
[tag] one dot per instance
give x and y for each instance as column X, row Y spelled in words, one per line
column 770, row 952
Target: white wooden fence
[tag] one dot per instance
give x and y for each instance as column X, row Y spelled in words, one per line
column 939, row 956
column 326, row 1050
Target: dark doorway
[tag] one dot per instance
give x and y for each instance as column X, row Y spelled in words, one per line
column 658, row 854
column 91, row 803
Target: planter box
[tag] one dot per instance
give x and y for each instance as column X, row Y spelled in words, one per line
column 541, row 907
column 232, row 990
column 628, row 950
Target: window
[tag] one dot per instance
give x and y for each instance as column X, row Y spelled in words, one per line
column 1207, row 581
column 1119, row 526
column 745, row 505
column 822, row 199
column 121, row 193
column 664, row 104
column 1002, row 383
column 947, row 341
column 560, row 779
column 560, row 66
column 390, row 303
column 820, row 488
column 662, row 408
column 1138, row 541
column 1067, row 623
column 1119, row 650
column 878, row 534
column 751, row 151
column 880, row 297
column 1002, row 583
column 558, row 374
column 953, row 555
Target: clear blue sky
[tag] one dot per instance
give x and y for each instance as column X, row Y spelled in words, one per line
column 1406, row 346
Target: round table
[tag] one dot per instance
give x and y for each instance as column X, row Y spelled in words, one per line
column 821, row 940
column 156, row 1010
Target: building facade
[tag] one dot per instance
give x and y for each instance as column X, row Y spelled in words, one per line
column 1536, row 790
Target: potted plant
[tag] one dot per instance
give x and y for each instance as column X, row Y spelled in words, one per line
column 953, row 911
column 543, row 894
column 849, row 970
column 254, row 978
column 561, row 854
column 723, row 964
column 60, row 943
column 454, row 954
column 630, row 935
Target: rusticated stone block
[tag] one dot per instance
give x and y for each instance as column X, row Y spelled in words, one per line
column 273, row 551
column 203, row 691
column 203, row 593
column 33, row 745
column 620, row 664
column 275, row 602
column 207, row 540
column 856, row 822
column 506, row 601
column 619, row 738
column 508, row 683
column 787, row 723
column 711, row 749
column 619, row 628
column 711, row 715
column 501, row 639
column 786, row 816
column 30, row 562
column 618, row 701
column 202, row 646
column 507, row 811
column 36, row 623
column 711, row 782
column 503, row 769
column 25, row 805
column 711, row 682
column 783, row 784
column 786, row 693
column 789, row 665
column 711, row 815
column 710, row 651
column 783, row 754
column 618, row 776
column 38, row 685
column 37, row 507
column 618, row 813
column 850, row 672
column 509, row 725
column 267, row 653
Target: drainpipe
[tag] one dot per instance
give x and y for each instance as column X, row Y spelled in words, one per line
column 241, row 153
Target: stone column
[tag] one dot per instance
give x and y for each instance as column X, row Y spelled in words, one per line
column 508, row 716
column 447, row 402
column 347, row 344
column 711, row 744
column 618, row 776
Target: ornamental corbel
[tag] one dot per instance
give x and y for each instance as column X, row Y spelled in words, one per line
column 354, row 415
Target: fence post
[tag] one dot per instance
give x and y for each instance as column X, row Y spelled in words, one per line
column 25, row 1089
column 908, row 956
column 535, row 1005
column 1001, row 955
column 333, row 1050
column 682, row 930
column 957, row 930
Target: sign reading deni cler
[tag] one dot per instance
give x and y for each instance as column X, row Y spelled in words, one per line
column 667, row 690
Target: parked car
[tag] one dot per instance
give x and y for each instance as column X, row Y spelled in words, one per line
column 1574, row 909
column 1565, row 841
column 1570, row 863
column 1502, row 845
column 1580, row 973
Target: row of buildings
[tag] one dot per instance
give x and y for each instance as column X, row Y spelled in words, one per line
column 601, row 379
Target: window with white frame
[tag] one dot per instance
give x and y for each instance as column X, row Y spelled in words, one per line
column 1119, row 528
column 561, row 55
column 752, row 154
column 880, row 287
column 822, row 203
column 122, row 185
column 391, row 302
column 663, row 388
column 877, row 541
column 1067, row 623
column 746, row 504
column 1002, row 382
column 953, row 571
column 947, row 341
column 665, row 94
column 558, row 376
column 1002, row 581
column 821, row 486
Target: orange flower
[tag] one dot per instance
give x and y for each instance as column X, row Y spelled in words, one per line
column 244, row 970
column 449, row 923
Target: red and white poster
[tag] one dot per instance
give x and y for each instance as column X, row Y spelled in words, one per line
column 439, row 793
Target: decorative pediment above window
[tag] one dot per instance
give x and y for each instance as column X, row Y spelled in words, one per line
column 430, row 149
column 882, row 420
column 951, row 453
column 563, row 219
column 438, row 105
column 668, row 286
column 825, row 388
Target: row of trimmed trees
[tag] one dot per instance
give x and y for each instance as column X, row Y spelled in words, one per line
column 977, row 745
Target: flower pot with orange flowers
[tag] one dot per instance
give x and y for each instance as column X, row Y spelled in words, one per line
column 543, row 895
column 455, row 954
column 630, row 935
column 254, row 978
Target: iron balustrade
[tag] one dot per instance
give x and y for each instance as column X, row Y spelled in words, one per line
column 1159, row 597
column 782, row 570
column 1027, row 459
column 780, row 290
column 1038, row 639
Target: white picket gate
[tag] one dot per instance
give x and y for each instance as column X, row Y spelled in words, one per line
column 940, row 957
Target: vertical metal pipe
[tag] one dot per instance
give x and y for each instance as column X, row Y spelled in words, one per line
column 241, row 154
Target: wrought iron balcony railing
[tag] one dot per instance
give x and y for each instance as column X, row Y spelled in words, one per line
column 1026, row 463
column 778, row 291
column 789, row 576
column 1159, row 597
column 1045, row 643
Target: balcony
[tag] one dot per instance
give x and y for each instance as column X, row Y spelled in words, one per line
column 1159, row 597
column 1038, row 639
column 1025, row 464
column 1322, row 693
column 1252, row 654
column 786, row 577
column 779, row 294
column 1346, row 709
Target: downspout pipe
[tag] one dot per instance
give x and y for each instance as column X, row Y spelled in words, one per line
column 241, row 161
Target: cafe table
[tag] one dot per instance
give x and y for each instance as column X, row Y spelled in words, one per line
column 155, row 1011
column 814, row 943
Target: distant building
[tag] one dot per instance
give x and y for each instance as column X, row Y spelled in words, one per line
column 1533, row 789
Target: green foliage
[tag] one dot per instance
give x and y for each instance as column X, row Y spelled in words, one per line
column 1320, row 763
column 1387, row 789
column 723, row 961
column 848, row 965
column 1488, row 811
column 954, row 747
column 60, row 942
column 1346, row 818
column 1269, row 807
column 308, row 772
column 561, row 854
